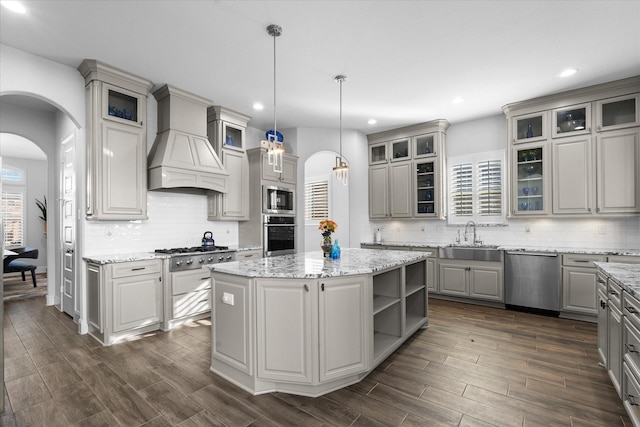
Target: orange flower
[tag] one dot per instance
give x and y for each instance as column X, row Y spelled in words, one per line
column 327, row 225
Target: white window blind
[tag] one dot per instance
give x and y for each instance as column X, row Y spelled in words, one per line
column 316, row 200
column 13, row 218
column 476, row 188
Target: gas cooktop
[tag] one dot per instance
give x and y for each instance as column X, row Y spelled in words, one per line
column 193, row 249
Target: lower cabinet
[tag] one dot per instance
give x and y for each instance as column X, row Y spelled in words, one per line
column 472, row 279
column 603, row 346
column 189, row 296
column 579, row 284
column 124, row 299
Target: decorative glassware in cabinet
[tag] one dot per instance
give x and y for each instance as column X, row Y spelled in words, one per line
column 400, row 150
column 232, row 137
column 122, row 106
column 425, row 188
column 572, row 121
column 529, row 128
column 530, row 180
column 617, row 113
column 424, row 145
column 377, row 153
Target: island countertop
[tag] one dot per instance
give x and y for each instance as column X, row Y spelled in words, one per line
column 310, row 265
column 626, row 275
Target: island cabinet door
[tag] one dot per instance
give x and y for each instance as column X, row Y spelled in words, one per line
column 344, row 326
column 284, row 320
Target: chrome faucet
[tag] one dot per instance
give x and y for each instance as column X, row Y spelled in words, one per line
column 474, row 231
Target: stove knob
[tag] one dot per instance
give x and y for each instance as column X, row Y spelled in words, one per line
column 178, row 263
column 229, row 257
column 220, row 258
column 189, row 262
column 201, row 260
column 210, row 259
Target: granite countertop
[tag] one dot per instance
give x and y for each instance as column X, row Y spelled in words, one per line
column 114, row 258
column 603, row 251
column 312, row 265
column 625, row 275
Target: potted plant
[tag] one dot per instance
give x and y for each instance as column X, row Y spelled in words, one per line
column 42, row 205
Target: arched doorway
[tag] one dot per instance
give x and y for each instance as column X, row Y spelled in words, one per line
column 318, row 168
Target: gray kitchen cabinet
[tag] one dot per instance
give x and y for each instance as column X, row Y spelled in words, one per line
column 248, row 254
column 343, row 327
column 530, row 179
column 618, row 171
column 405, row 167
column 284, row 309
column 432, row 269
column 579, row 284
column 290, row 306
column 603, row 339
column 596, row 169
column 572, row 175
column 124, row 299
column 116, row 148
column 472, row 279
column 288, row 175
column 614, row 335
column 226, row 131
column 189, row 296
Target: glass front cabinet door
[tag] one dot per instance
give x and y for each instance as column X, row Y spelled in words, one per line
column 530, row 179
column 232, row 136
column 378, row 153
column 424, row 145
column 529, row 128
column 574, row 120
column 121, row 105
column 617, row 113
column 426, row 189
column 400, row 150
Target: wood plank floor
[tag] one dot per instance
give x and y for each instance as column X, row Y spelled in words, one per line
column 474, row 366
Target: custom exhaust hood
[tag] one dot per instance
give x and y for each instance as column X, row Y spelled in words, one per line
column 182, row 158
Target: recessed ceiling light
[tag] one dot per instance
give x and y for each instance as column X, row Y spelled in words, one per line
column 258, row 106
column 13, row 6
column 457, row 100
column 568, row 72
column 372, row 121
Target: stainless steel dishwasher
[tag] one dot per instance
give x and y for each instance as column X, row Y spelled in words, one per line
column 532, row 281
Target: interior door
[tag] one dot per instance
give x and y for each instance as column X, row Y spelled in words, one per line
column 68, row 216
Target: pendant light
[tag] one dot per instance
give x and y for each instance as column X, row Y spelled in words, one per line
column 273, row 143
column 341, row 168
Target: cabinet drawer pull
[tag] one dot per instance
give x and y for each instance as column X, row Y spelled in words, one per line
column 306, row 287
column 581, row 260
column 138, row 268
column 614, row 293
column 603, row 304
column 600, row 282
column 205, row 278
column 631, row 348
column 630, row 309
column 632, row 399
column 204, row 300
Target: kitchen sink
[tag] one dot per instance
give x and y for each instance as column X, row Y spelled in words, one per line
column 475, row 253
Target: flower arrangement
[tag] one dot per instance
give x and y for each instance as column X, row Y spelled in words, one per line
column 327, row 226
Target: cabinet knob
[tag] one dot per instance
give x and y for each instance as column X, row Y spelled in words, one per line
column 631, row 348
column 632, row 399
column 630, row 309
column 306, row 287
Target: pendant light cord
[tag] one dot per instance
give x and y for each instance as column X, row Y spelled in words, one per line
column 275, row 127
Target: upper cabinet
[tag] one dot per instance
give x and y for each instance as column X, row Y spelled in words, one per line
column 116, row 142
column 617, row 113
column 226, row 131
column 588, row 145
column 571, row 121
column 405, row 172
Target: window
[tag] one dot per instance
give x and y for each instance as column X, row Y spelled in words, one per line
column 13, row 209
column 316, row 200
column 476, row 184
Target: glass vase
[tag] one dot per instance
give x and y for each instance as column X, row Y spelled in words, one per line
column 327, row 244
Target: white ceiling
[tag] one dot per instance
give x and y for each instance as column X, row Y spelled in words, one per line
column 405, row 60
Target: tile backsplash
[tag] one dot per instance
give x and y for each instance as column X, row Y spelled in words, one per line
column 600, row 233
column 175, row 220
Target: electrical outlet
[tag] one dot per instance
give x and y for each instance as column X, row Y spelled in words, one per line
column 527, row 228
column 422, row 229
column 602, row 230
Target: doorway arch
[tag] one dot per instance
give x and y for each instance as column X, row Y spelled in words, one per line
column 318, row 167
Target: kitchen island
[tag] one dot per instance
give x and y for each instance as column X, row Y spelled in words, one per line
column 308, row 325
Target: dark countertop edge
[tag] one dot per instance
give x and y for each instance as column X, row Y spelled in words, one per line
column 628, row 252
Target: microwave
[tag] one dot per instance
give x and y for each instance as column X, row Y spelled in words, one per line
column 278, row 200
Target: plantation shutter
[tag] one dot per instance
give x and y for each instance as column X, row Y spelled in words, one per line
column 462, row 189
column 13, row 218
column 316, row 200
column 490, row 188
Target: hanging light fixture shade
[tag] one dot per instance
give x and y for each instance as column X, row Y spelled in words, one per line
column 341, row 169
column 274, row 139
